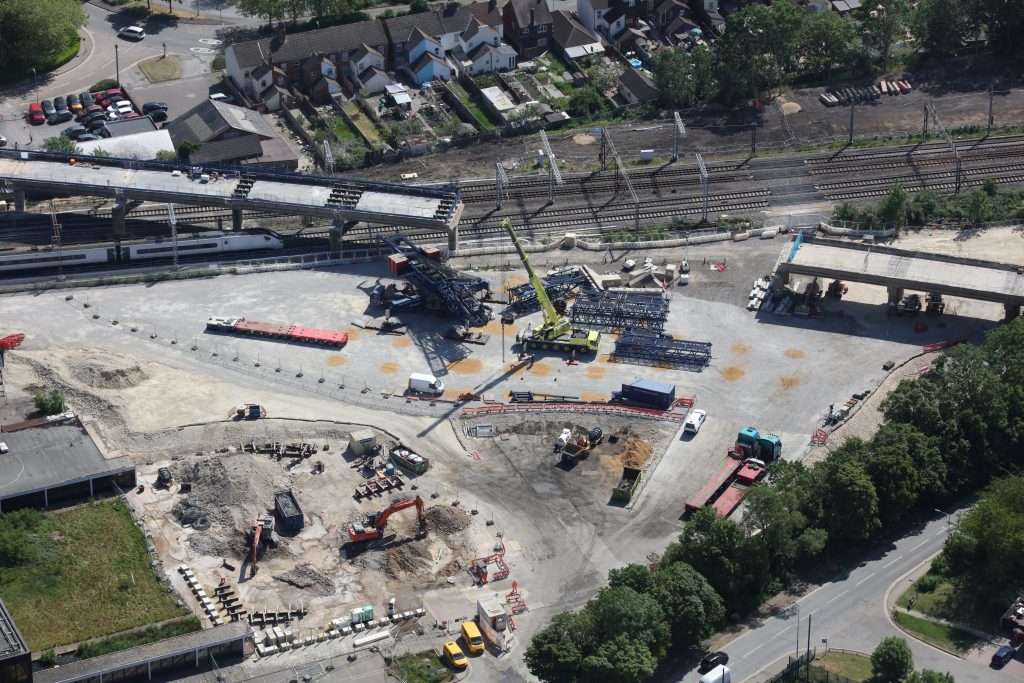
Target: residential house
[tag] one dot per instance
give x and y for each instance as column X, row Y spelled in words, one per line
column 489, row 13
column 430, row 67
column 228, row 134
column 409, row 32
column 673, row 18
column 707, row 12
column 635, row 87
column 527, row 27
column 845, row 6
column 487, row 58
column 572, row 39
column 605, row 17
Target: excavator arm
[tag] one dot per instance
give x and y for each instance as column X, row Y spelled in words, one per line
column 551, row 316
column 382, row 518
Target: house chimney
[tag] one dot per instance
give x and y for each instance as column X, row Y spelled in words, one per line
column 492, row 4
column 531, row 16
column 281, row 33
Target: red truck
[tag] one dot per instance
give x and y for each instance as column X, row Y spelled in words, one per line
column 726, row 489
column 286, row 332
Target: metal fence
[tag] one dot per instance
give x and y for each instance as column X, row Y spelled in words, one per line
column 802, row 669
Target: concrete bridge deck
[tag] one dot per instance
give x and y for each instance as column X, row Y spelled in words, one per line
column 341, row 199
column 899, row 269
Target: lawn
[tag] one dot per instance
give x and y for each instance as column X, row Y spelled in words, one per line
column 424, row 667
column 474, row 108
column 940, row 635
column 363, row 124
column 945, row 603
column 160, row 68
column 853, row 666
column 89, row 575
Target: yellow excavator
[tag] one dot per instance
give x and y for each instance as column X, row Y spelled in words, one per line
column 555, row 333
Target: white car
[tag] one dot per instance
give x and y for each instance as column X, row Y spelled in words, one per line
column 3, row 141
column 684, row 279
column 132, row 32
column 694, row 420
column 684, row 267
column 629, row 264
column 3, row 448
column 122, row 107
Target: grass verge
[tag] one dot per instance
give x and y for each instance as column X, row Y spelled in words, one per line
column 854, row 666
column 160, row 68
column 942, row 636
column 363, row 124
column 151, row 634
column 90, row 576
column 945, row 602
column 59, row 59
column 424, row 667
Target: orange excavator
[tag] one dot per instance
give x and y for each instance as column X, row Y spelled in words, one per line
column 260, row 526
column 373, row 528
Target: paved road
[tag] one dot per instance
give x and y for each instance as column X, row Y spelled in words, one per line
column 850, row 613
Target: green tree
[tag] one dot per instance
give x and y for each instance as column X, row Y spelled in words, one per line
column 418, row 7
column 884, row 22
column 923, row 451
column 692, row 607
column 61, row 144
column 978, row 206
column 850, row 503
column 49, row 402
column 186, row 148
column 743, row 54
column 892, row 660
column 940, row 26
column 683, row 79
column 896, row 482
column 828, row 41
column 556, row 653
column 774, row 515
column 268, row 9
column 787, row 20
column 636, row 576
column 34, row 32
column 166, row 155
column 929, row 676
column 623, row 611
column 586, row 102
column 893, row 207
column 1004, row 22
column 620, row 660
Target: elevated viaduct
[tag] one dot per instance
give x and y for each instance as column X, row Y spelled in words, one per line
column 900, row 269
column 344, row 201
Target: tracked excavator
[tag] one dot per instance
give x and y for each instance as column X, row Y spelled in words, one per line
column 361, row 534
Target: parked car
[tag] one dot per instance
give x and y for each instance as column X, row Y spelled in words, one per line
column 153, row 106
column 3, row 141
column 132, row 33
column 74, row 131
column 62, row 116
column 692, row 425
column 74, row 104
column 684, row 266
column 114, row 91
column 453, row 655
column 88, row 137
column 60, row 104
column 91, row 117
column 35, row 113
column 158, row 115
column 1003, row 655
column 713, row 659
column 120, row 108
column 48, row 107
column 86, row 98
column 222, row 97
column 629, row 264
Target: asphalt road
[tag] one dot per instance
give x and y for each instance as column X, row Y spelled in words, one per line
column 850, row 612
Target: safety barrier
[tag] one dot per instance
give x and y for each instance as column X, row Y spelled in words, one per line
column 943, row 344
column 602, row 408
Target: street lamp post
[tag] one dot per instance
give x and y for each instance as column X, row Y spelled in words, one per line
column 35, row 80
column 798, row 632
column 117, row 64
column 949, row 518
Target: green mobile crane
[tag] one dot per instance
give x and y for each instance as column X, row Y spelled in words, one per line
column 555, row 333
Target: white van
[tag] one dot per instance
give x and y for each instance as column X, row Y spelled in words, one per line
column 720, row 674
column 425, row 384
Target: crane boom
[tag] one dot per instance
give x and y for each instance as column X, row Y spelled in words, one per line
column 551, row 316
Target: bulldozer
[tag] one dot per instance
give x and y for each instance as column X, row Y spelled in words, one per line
column 362, row 534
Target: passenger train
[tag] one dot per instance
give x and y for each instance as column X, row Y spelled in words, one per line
column 203, row 243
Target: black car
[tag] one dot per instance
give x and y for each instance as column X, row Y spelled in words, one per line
column 48, row 108
column 1002, row 656
column 88, row 137
column 158, row 115
column 153, row 106
column 62, row 116
column 86, row 98
column 712, row 660
column 74, row 131
column 60, row 104
column 89, row 118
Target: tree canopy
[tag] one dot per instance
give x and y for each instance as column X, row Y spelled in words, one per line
column 33, row 33
column 892, row 660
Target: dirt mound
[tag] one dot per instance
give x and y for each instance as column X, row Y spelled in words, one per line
column 230, row 489
column 305, row 576
column 102, row 374
column 213, row 545
column 636, row 453
column 445, row 519
column 407, row 559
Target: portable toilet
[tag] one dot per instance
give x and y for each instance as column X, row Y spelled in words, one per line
column 746, row 440
column 769, row 447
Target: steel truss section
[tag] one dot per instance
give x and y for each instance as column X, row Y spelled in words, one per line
column 650, row 347
column 441, row 286
column 610, row 311
column 523, row 298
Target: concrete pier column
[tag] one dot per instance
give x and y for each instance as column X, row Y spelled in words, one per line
column 895, row 294
column 236, row 219
column 118, row 218
column 453, row 237
column 337, row 230
column 19, row 201
column 1012, row 311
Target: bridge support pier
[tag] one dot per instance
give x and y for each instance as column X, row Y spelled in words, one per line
column 236, row 219
column 337, row 230
column 1012, row 311
column 895, row 294
column 19, row 201
column 453, row 237
column 118, row 218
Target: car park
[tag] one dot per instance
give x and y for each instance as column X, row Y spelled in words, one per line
column 62, row 116
column 132, row 33
column 35, row 113
column 60, row 104
column 48, row 107
column 693, row 422
column 153, row 106
column 713, row 659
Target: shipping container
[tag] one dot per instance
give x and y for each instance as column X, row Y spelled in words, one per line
column 650, row 393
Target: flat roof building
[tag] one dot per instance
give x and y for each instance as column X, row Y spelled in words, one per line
column 15, row 657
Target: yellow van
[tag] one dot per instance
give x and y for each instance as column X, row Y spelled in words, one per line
column 453, row 655
column 471, row 636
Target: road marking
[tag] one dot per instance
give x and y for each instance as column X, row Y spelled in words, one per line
column 836, row 598
column 893, row 562
column 920, row 544
column 754, row 650
column 782, row 631
column 941, row 533
column 813, row 611
column 864, row 579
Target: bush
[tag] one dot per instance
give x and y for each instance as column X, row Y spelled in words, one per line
column 47, row 658
column 219, row 63
column 928, row 583
column 49, row 403
column 105, row 84
column 892, row 660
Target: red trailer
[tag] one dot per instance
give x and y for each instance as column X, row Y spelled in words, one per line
column 287, row 332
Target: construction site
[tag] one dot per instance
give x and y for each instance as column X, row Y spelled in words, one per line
column 426, row 439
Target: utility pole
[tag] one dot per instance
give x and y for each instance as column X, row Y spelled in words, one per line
column 554, row 175
column 991, row 97
column 56, row 238
column 704, row 189
column 807, row 655
column 174, row 233
column 753, row 140
column 117, row 65
column 500, row 183
column 678, row 131
column 609, row 146
column 849, row 139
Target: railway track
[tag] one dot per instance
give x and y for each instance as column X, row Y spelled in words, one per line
column 871, row 187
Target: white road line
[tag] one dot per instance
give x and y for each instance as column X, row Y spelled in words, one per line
column 920, row 544
column 813, row 611
column 836, row 598
column 864, row 579
column 893, row 562
column 754, row 650
column 941, row 533
column 782, row 631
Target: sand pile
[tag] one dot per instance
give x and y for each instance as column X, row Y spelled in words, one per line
column 636, row 453
column 445, row 519
column 231, row 489
column 305, row 576
column 407, row 559
column 101, row 373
